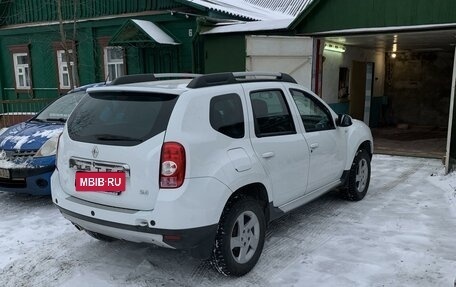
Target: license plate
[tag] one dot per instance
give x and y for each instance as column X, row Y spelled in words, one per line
column 100, row 181
column 4, row 173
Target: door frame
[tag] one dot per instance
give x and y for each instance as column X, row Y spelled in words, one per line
column 451, row 117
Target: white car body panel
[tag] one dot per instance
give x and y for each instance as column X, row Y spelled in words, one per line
column 285, row 158
column 143, row 162
column 292, row 169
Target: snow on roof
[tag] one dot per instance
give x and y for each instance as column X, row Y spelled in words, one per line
column 289, row 7
column 251, row 26
column 256, row 9
column 269, row 14
column 155, row 32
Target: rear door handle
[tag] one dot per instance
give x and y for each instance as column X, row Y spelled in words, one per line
column 314, row 146
column 267, row 154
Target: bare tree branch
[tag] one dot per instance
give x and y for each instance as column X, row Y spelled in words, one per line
column 72, row 69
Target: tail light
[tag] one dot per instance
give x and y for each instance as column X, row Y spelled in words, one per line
column 172, row 165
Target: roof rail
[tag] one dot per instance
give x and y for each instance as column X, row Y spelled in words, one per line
column 138, row 78
column 177, row 75
column 219, row 79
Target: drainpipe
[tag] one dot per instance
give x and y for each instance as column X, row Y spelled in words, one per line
column 317, row 67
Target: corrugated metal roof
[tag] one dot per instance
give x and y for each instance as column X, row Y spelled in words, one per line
column 263, row 25
column 289, row 7
column 257, row 9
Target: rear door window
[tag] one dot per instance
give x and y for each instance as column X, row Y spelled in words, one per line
column 120, row 118
column 226, row 115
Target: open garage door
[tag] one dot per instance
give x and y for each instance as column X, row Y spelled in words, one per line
column 413, row 73
column 291, row 55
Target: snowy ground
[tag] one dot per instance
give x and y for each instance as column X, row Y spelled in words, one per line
column 401, row 234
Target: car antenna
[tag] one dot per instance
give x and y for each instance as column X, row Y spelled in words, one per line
column 106, row 79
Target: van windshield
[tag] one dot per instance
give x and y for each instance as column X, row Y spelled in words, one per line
column 120, row 118
column 60, row 109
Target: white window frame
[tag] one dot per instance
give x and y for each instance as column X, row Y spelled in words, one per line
column 22, row 70
column 63, row 70
column 118, row 64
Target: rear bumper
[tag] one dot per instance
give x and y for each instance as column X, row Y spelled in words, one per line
column 184, row 218
column 198, row 241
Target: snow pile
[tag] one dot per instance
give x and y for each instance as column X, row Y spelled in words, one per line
column 446, row 183
column 48, row 133
column 21, row 140
column 7, row 162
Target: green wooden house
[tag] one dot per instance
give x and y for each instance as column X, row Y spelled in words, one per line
column 48, row 47
column 103, row 39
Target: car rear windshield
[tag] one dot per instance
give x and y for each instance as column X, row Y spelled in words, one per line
column 120, row 118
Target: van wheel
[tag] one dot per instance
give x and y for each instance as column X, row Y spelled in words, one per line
column 100, row 237
column 359, row 177
column 240, row 238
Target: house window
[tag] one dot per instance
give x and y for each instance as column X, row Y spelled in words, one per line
column 22, row 70
column 64, row 71
column 114, row 62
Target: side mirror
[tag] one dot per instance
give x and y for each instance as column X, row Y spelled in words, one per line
column 344, row 121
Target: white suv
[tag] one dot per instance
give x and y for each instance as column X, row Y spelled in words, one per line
column 204, row 162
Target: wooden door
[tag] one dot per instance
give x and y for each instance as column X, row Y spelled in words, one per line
column 358, row 90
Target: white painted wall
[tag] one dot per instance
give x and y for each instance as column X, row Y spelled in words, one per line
column 335, row 60
column 291, row 55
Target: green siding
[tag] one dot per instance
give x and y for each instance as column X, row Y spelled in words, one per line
column 140, row 58
column 29, row 11
column 86, row 56
column 90, row 53
column 43, row 66
column 340, row 108
column 224, row 53
column 180, row 31
column 377, row 108
column 331, row 15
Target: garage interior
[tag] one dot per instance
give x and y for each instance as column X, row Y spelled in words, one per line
column 413, row 116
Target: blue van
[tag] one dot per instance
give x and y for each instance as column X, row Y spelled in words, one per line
column 27, row 149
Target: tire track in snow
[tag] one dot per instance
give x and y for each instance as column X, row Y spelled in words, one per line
column 201, row 272
column 43, row 268
column 287, row 240
column 309, row 227
column 403, row 176
column 301, row 232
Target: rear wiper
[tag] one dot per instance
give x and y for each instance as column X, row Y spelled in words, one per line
column 117, row 138
column 61, row 120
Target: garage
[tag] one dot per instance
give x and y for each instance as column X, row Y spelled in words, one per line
column 391, row 66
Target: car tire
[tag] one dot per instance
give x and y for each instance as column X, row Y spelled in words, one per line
column 359, row 177
column 100, row 236
column 240, row 238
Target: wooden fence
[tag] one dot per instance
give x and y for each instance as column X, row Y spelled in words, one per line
column 16, row 111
